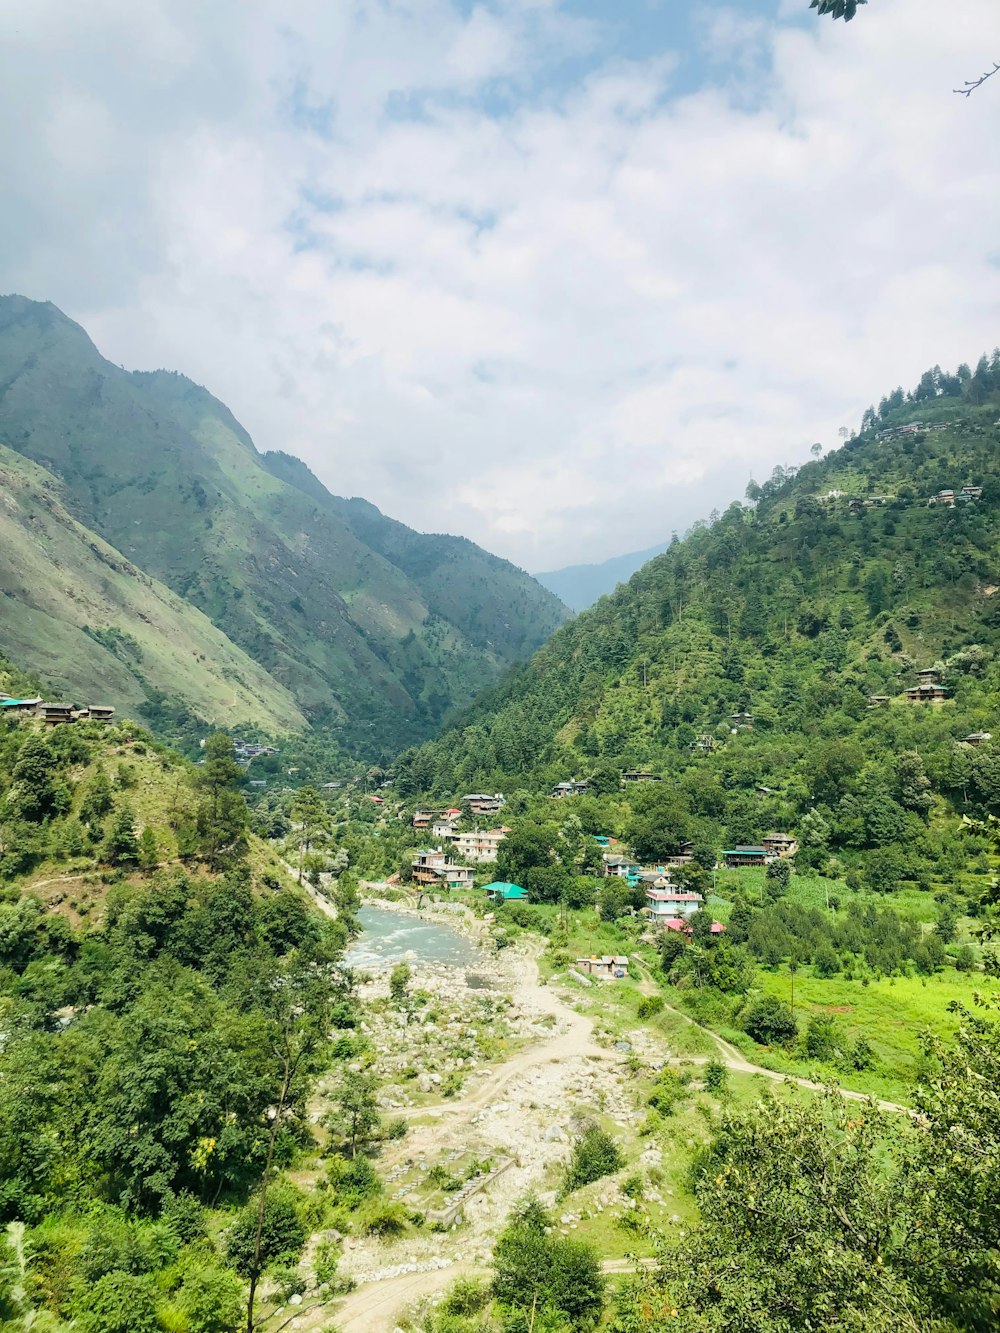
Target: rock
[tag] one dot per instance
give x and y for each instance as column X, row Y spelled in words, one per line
column 555, row 1134
column 295, row 1299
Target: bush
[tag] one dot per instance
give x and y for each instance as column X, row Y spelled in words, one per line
column 650, row 1005
column 821, row 1038
column 670, row 1090
column 595, row 1154
column 467, row 1296
column 716, row 1077
column 282, row 1236
column 770, row 1021
column 383, row 1219
column 120, row 1303
column 354, row 1181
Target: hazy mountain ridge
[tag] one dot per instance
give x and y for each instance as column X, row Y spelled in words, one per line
column 579, row 586
column 165, row 473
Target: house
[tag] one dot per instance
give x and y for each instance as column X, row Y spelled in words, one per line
column 502, row 891
column 482, row 804
column 656, row 879
column 432, row 867
column 564, row 789
column 927, row 692
column 443, row 827
column 741, row 721
column 705, row 743
column 620, row 867
column 678, row 923
column 972, row 492
column 9, row 706
column 101, row 713
column 53, row 714
column 422, row 819
column 945, row 497
column 258, row 784
column 482, row 845
column 780, row 844
column 638, row 775
column 878, row 701
column 665, row 904
column 765, row 791
column 612, row 967
column 739, row 857
column 977, row 738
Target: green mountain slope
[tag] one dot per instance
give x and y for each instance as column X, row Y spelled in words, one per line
column 165, row 473
column 795, row 610
column 102, row 631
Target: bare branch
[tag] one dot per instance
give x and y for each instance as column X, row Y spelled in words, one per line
column 972, row 84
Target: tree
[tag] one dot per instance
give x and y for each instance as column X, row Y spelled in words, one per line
column 222, row 815
column 595, row 1154
column 770, row 1021
column 309, row 813
column 399, row 980
column 96, row 799
column 358, row 1117
column 149, row 852
column 840, row 9
column 121, row 847
column 120, row 1303
column 210, row 1300
column 548, row 1280
column 266, row 1235
column 913, row 787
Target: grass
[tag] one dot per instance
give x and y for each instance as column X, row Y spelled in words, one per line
column 891, row 1013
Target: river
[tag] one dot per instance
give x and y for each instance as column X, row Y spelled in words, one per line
column 388, row 937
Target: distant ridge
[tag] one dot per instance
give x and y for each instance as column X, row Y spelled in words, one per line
column 579, row 586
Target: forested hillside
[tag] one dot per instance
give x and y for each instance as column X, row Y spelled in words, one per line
column 167, row 995
column 740, row 664
column 375, row 636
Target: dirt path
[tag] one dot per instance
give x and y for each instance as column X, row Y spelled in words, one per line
column 734, row 1059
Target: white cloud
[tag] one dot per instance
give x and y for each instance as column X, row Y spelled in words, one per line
column 562, row 318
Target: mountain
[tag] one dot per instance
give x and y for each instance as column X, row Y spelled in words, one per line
column 579, row 586
column 374, row 631
column 101, row 630
column 766, row 633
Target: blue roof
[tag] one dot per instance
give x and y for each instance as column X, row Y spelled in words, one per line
column 16, row 703
column 503, row 889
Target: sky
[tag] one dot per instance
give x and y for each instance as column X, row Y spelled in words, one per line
column 557, row 275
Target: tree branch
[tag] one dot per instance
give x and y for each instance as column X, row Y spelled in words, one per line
column 972, row 84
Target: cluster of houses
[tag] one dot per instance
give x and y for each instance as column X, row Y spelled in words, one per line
column 949, row 497
column 928, row 690
column 54, row 715
column 246, row 751
column 480, row 846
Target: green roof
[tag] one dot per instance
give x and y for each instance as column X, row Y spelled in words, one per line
column 501, row 889
column 15, row 703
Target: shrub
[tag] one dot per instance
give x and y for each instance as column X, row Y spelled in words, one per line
column 650, row 1005
column 670, row 1090
column 770, row 1021
column 282, row 1236
column 354, row 1181
column 383, row 1219
column 595, row 1154
column 467, row 1296
column 821, row 1038
column 716, row 1076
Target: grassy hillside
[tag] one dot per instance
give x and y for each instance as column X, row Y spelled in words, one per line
column 99, row 630
column 377, row 645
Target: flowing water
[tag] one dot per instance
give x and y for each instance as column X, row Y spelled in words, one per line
column 390, row 937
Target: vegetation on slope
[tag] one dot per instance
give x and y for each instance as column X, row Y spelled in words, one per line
column 378, row 646
column 100, row 630
column 166, row 998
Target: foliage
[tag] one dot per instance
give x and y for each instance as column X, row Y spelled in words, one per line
column 770, row 1021
column 539, row 1275
column 595, row 1154
column 826, row 1214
